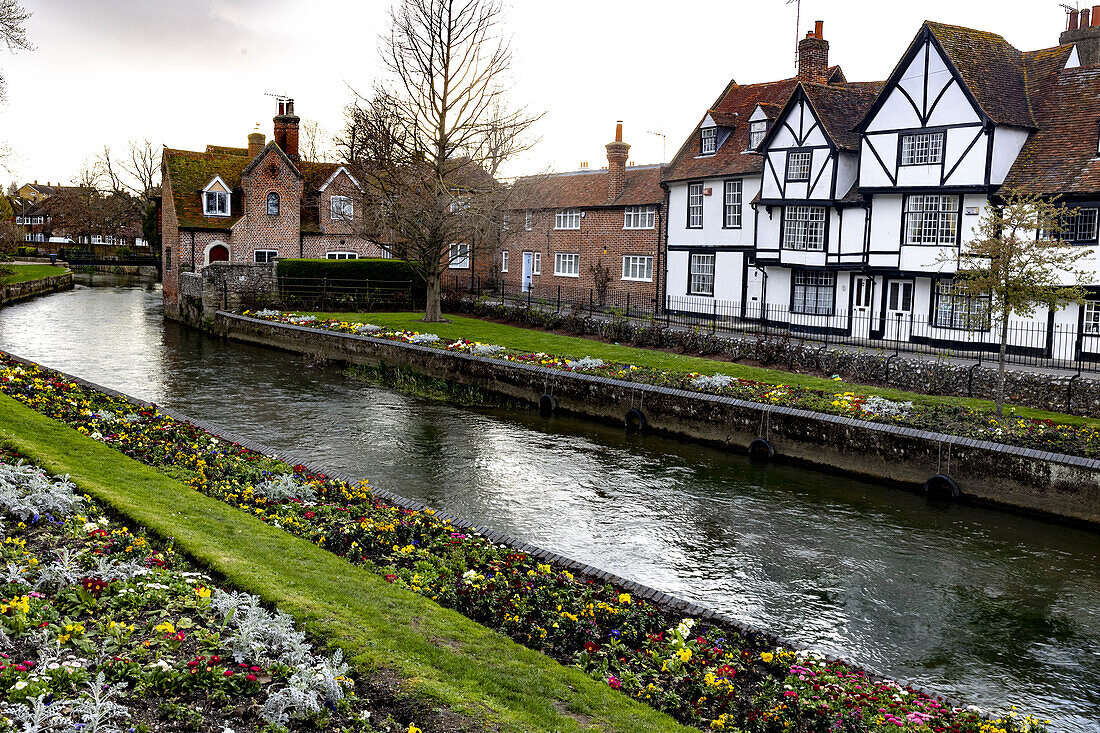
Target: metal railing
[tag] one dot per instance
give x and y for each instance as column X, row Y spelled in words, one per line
column 339, row 295
column 1038, row 343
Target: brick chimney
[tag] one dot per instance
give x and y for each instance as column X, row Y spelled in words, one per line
column 256, row 142
column 1083, row 29
column 286, row 129
column 618, row 153
column 813, row 56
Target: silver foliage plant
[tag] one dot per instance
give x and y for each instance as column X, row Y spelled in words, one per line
column 587, row 362
column 94, row 711
column 269, row 638
column 27, row 493
column 712, row 383
column 284, row 486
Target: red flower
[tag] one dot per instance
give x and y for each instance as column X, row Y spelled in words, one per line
column 227, row 673
column 249, row 677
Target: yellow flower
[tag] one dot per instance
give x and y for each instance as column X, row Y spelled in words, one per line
column 165, row 628
column 624, row 598
column 684, row 654
column 767, row 657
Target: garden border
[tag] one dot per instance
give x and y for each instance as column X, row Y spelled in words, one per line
column 1038, row 482
column 665, row 601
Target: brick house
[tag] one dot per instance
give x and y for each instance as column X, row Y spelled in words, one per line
column 256, row 205
column 36, row 206
column 592, row 233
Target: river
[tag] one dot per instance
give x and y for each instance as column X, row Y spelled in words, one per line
column 986, row 607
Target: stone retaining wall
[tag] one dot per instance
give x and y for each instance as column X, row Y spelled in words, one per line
column 21, row 291
column 1055, row 485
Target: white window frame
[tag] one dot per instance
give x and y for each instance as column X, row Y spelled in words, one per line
column 638, row 268
column 504, row 261
column 757, row 131
column 959, row 311
column 567, row 219
column 695, row 206
column 732, row 199
column 804, row 228
column 701, row 266
column 341, row 208
column 536, row 263
column 922, row 148
column 270, row 255
column 1090, row 325
column 341, row 255
column 218, row 197
column 567, row 264
column 458, row 256
column 930, row 220
column 799, row 165
column 640, row 217
column 708, row 141
column 805, row 282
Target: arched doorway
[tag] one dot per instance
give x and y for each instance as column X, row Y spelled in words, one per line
column 217, row 252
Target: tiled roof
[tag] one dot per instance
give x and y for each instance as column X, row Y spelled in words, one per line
column 223, row 150
column 992, row 69
column 588, row 189
column 840, row 106
column 738, row 100
column 190, row 171
column 1061, row 157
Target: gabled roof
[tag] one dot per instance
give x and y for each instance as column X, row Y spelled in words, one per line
column 1061, row 158
column 260, row 156
column 838, row 106
column 738, row 101
column 588, row 189
column 335, row 173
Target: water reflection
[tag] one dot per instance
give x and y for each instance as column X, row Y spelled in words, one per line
column 986, row 607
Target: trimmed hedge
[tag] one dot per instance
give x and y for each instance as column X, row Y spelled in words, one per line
column 385, row 270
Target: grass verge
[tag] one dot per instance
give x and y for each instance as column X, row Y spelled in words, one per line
column 26, row 273
column 445, row 658
column 575, row 347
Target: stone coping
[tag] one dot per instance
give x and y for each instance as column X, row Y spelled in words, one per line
column 664, row 600
column 942, row 438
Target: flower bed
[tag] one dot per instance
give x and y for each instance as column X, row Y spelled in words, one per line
column 708, row 676
column 953, row 420
column 103, row 628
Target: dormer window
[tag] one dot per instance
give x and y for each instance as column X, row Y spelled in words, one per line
column 216, row 203
column 215, row 198
column 273, row 204
column 757, row 130
column 709, row 139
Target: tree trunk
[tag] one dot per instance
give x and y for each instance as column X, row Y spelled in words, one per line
column 1001, row 365
column 433, row 312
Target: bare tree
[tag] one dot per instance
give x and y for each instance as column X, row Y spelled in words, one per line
column 142, row 164
column 313, row 142
column 427, row 142
column 13, row 32
column 1016, row 263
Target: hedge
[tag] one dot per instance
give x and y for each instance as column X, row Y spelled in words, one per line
column 385, row 270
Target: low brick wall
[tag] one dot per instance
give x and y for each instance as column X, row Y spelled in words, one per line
column 21, row 291
column 1066, row 487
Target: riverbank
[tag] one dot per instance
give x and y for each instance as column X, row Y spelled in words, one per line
column 433, row 657
column 1049, row 483
column 468, row 572
column 30, row 281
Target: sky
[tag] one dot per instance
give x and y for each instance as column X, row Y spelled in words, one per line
column 187, row 73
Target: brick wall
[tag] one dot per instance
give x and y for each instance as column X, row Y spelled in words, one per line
column 259, row 230
column 317, row 245
column 169, row 242
column 601, row 242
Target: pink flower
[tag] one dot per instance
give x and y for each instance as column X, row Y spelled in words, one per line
column 614, row 682
column 249, row 677
column 227, row 673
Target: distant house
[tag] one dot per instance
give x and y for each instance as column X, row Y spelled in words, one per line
column 255, row 204
column 40, row 210
column 592, row 233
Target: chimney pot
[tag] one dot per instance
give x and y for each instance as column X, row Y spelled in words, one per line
column 286, row 129
column 1074, row 19
column 1096, row 14
column 819, row 29
column 1085, row 18
column 618, row 153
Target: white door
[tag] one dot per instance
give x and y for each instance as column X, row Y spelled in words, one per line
column 528, row 269
column 754, row 293
column 862, row 299
column 899, row 310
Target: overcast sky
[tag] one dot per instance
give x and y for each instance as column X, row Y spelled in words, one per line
column 185, row 73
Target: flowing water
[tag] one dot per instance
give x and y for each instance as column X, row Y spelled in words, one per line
column 986, row 607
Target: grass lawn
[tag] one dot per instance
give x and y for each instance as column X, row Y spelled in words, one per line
column 25, row 273
column 444, row 658
column 529, row 339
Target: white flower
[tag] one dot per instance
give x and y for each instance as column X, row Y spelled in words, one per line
column 160, row 663
column 90, row 526
column 20, row 684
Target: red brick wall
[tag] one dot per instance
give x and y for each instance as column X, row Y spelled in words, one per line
column 259, row 230
column 169, row 239
column 601, row 240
